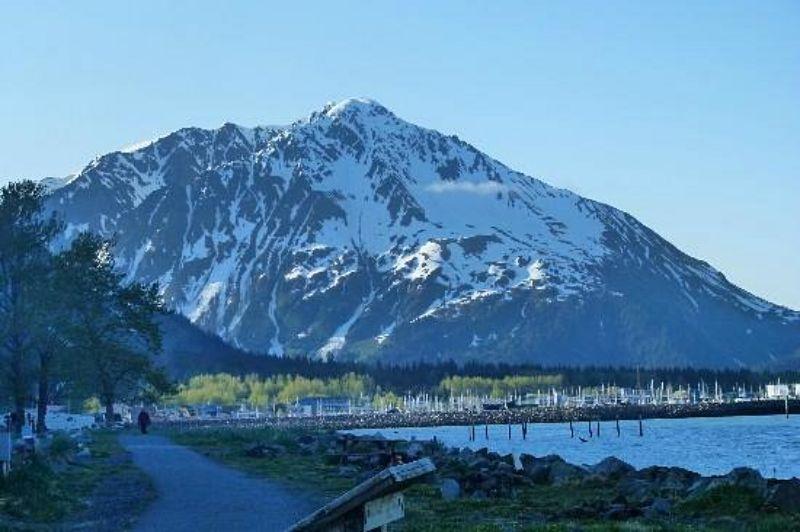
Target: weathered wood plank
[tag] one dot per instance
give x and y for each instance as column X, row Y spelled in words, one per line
column 390, row 480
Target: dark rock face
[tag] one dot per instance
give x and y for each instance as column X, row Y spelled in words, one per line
column 611, row 468
column 551, row 469
column 658, row 508
column 562, row 472
column 657, row 481
column 742, row 477
column 354, row 234
column 785, row 496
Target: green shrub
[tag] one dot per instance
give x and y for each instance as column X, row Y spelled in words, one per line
column 34, row 492
column 62, row 446
column 724, row 500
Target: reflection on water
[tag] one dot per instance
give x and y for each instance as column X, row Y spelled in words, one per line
column 709, row 446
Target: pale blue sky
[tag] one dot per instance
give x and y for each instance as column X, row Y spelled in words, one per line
column 685, row 114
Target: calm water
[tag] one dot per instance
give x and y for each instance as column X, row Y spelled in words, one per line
column 709, row 446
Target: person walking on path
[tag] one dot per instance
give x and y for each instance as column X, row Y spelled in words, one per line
column 143, row 420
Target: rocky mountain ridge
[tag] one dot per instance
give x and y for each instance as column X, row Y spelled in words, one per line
column 357, row 235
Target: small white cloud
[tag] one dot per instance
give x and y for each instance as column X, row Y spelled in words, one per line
column 136, row 146
column 470, row 187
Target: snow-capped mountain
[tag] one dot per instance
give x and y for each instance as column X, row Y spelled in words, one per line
column 355, row 234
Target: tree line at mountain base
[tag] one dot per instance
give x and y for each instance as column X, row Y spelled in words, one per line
column 385, row 387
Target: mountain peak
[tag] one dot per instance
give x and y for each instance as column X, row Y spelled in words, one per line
column 354, row 105
column 355, row 233
column 353, row 108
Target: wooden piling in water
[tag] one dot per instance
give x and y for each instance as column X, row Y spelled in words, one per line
column 590, row 429
column 571, row 430
column 641, row 428
column 786, row 405
column 598, row 428
column 617, row 426
column 486, row 430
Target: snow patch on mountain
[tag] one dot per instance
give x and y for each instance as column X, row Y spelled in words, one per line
column 253, row 233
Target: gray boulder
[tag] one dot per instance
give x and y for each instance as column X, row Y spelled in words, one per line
column 450, row 489
column 537, row 470
column 611, row 468
column 561, row 472
column 667, row 481
column 478, row 495
column 620, row 512
column 527, row 461
column 658, row 508
column 636, row 489
column 551, row 469
column 743, row 477
column 747, row 478
column 415, row 450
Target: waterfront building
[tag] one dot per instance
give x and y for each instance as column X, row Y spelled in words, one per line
column 777, row 391
column 321, row 406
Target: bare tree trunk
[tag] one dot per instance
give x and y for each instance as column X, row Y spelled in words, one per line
column 109, row 403
column 19, row 388
column 44, row 393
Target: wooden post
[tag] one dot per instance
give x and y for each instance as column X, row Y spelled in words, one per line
column 786, row 405
column 641, row 428
column 370, row 505
column 6, row 451
column 486, row 430
column 509, row 428
column 590, row 429
column 571, row 430
column 598, row 428
column 617, row 426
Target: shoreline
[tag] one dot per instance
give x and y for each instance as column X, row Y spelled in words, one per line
column 482, row 487
column 501, row 417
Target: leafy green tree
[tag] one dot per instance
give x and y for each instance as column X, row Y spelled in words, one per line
column 26, row 232
column 112, row 325
column 53, row 349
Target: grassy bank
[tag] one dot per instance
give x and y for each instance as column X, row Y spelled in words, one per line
column 532, row 507
column 99, row 490
column 295, row 467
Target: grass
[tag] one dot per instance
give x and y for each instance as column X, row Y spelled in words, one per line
column 35, row 493
column 53, row 487
column 306, row 471
column 723, row 500
column 534, row 508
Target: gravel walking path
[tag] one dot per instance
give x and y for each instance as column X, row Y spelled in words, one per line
column 197, row 494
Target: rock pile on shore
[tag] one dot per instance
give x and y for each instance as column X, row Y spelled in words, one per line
column 376, row 420
column 481, row 474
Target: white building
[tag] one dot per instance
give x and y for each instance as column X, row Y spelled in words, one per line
column 777, row 391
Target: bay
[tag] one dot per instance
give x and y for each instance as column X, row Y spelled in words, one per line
column 709, row 446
